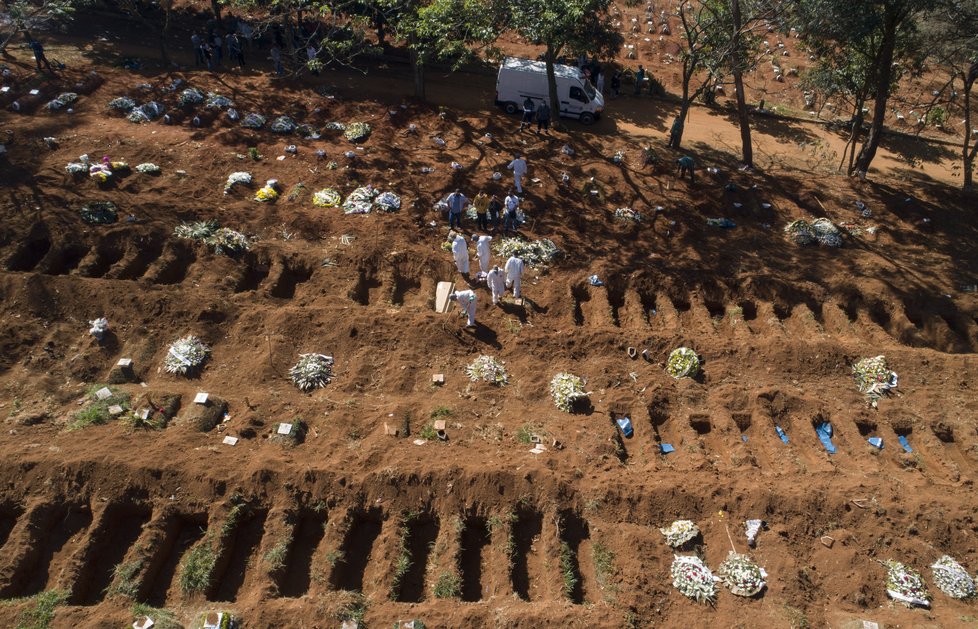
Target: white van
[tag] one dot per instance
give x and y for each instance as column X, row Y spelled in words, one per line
column 519, row 78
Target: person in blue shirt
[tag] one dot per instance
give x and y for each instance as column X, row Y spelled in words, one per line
column 686, row 165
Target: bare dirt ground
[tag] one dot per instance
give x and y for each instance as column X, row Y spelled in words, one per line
column 109, row 514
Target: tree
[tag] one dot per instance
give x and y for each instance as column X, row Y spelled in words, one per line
column 954, row 29
column 440, row 30
column 137, row 10
column 884, row 32
column 706, row 47
column 565, row 26
column 24, row 16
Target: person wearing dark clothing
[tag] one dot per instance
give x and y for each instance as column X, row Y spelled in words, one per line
column 205, row 50
column 197, row 43
column 234, row 50
column 616, row 83
column 494, row 207
column 543, row 117
column 39, row 55
column 527, row 113
column 639, row 80
column 218, row 49
column 686, row 165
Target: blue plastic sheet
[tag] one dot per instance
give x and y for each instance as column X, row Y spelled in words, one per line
column 876, row 442
column 903, row 442
column 626, row 426
column 743, row 438
column 824, row 432
column 666, row 448
column 781, row 433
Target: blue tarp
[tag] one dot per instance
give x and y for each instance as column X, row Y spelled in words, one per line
column 626, row 426
column 666, row 448
column 781, row 433
column 903, row 442
column 876, row 442
column 743, row 438
column 824, row 432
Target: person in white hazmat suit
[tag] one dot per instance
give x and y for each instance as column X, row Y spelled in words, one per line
column 496, row 279
column 460, row 250
column 514, row 275
column 466, row 301
column 483, row 251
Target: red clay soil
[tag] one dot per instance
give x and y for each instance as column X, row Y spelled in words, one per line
column 110, row 514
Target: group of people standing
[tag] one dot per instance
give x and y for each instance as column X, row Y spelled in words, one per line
column 497, row 279
column 209, row 50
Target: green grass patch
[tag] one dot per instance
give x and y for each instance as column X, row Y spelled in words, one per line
column 163, row 618
column 197, row 567
column 441, row 412
column 428, row 432
column 604, row 567
column 449, row 585
column 125, row 578
column 404, row 562
column 276, row 555
column 354, row 608
column 40, row 609
column 567, row 572
column 97, row 411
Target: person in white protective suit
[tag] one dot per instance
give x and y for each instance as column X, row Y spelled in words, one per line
column 483, row 251
column 466, row 301
column 514, row 275
column 461, row 252
column 496, row 279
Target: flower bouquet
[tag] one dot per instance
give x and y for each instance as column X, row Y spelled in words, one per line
column 683, row 363
column 197, row 230
column 335, row 126
column 146, row 112
column 388, row 202
column 327, row 197
column 312, row 371
column 253, row 121
column 100, row 172
column 216, row 101
column 905, row 584
column 99, row 212
column 680, row 532
column 283, row 124
column 267, row 193
column 532, row 252
column 487, row 369
column 186, row 356
column 952, row 579
column 826, row 233
column 228, row 242
column 308, row 131
column 357, row 132
column 148, row 168
column 190, row 96
column 741, row 575
column 62, row 101
column 800, row 232
column 123, row 104
column 360, row 201
column 693, row 579
column 235, row 179
column 627, row 214
column 566, row 389
column 873, row 378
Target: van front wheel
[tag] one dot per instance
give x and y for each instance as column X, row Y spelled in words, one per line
column 510, row 108
column 587, row 118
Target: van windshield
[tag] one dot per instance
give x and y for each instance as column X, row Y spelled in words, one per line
column 589, row 90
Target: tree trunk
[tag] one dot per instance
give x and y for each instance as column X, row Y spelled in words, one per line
column 417, row 68
column 678, row 126
column 743, row 118
column 856, row 128
column 167, row 9
column 884, row 76
column 216, row 8
column 967, row 150
column 552, row 86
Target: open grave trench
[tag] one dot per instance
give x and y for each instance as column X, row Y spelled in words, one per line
column 534, row 542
